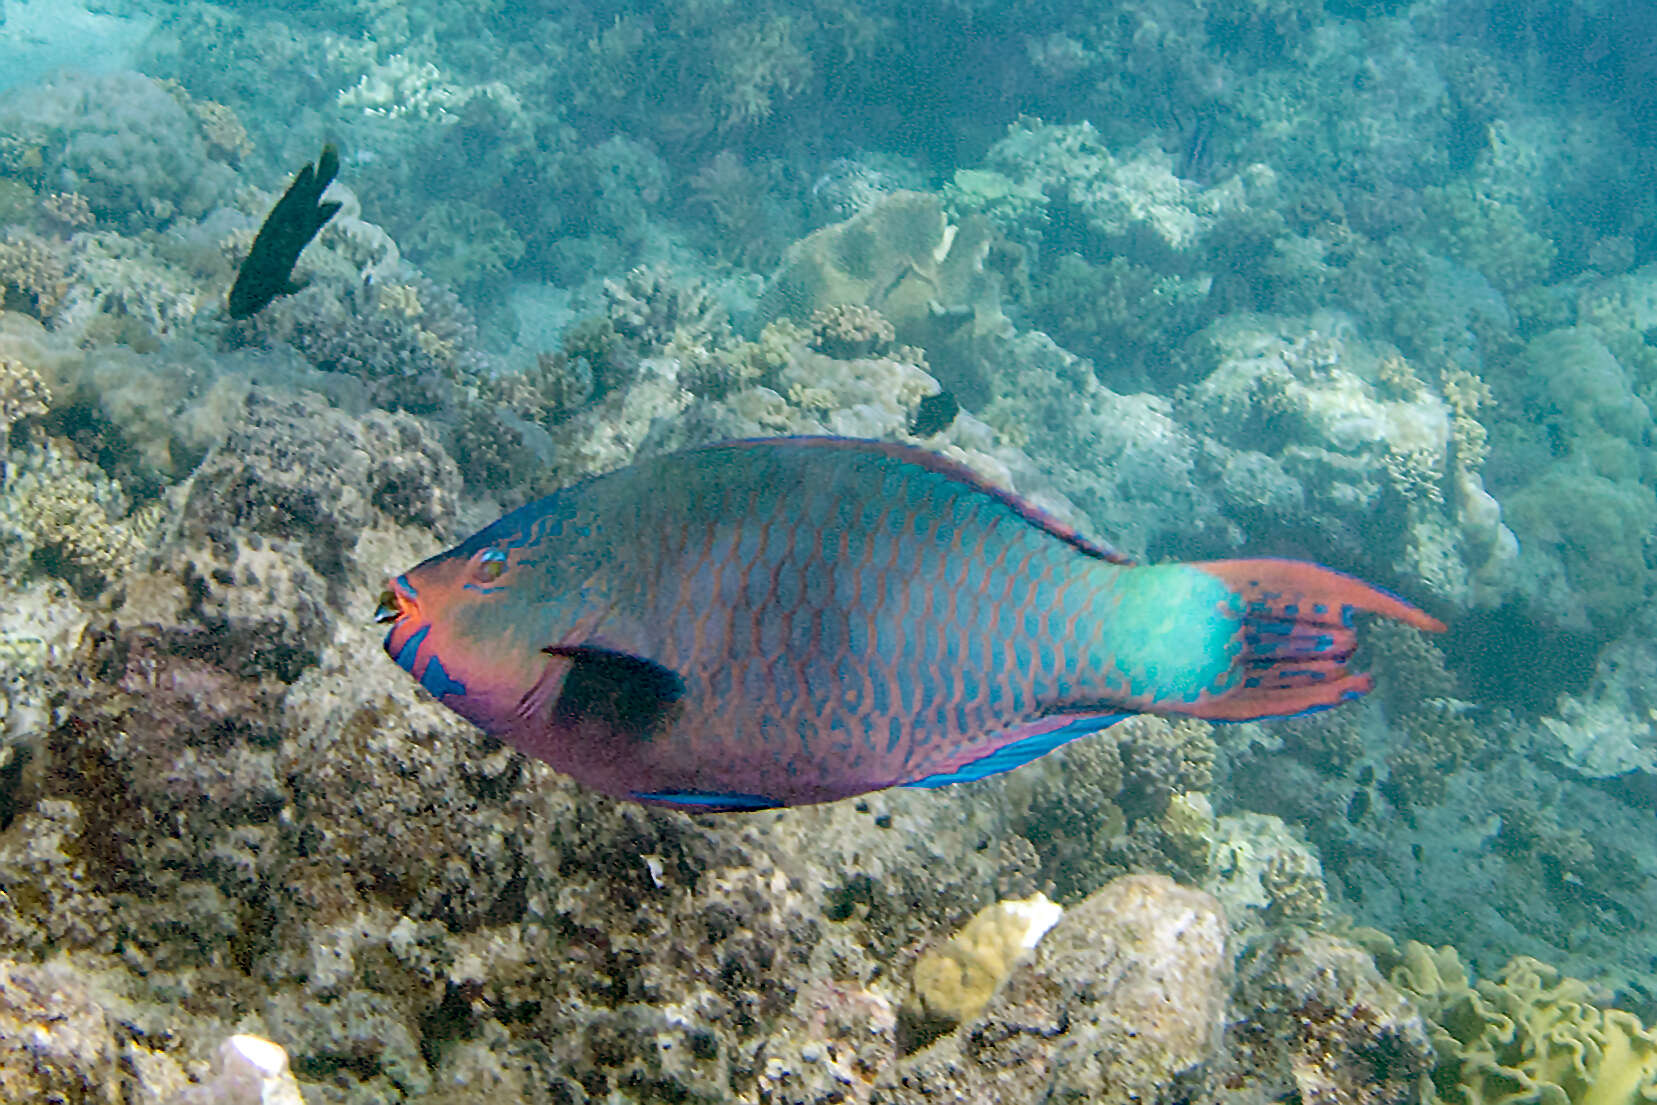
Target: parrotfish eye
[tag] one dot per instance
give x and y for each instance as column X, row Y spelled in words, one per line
column 491, row 565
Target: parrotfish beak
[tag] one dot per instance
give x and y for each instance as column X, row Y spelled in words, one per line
column 399, row 609
column 396, row 600
column 406, row 641
column 389, row 609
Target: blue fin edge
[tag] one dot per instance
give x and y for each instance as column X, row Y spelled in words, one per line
column 1020, row 752
column 707, row 801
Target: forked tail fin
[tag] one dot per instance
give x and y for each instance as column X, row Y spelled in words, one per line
column 1296, row 630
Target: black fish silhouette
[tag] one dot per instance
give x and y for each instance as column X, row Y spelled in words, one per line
column 289, row 228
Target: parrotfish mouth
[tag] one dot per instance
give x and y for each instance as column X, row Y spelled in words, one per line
column 405, row 641
column 399, row 609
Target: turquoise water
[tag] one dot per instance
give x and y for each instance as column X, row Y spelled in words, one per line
column 1367, row 284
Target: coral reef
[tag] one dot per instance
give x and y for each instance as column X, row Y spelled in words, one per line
column 119, row 140
column 32, row 275
column 1289, row 278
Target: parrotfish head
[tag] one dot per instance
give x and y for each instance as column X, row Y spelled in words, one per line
column 454, row 627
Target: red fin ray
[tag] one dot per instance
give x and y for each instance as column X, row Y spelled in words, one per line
column 1297, row 634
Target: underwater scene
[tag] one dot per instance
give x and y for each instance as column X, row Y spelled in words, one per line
column 828, row 551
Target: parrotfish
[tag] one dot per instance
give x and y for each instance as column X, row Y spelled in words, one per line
column 794, row 620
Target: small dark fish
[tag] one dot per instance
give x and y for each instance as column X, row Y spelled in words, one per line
column 288, row 229
column 1358, row 806
column 934, row 414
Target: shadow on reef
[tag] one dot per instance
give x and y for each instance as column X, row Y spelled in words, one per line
column 1504, row 656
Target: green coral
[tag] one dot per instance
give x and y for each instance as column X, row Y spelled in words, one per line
column 1127, row 317
column 1530, row 1035
column 464, row 245
column 1490, row 235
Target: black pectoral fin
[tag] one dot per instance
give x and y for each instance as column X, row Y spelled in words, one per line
column 631, row 693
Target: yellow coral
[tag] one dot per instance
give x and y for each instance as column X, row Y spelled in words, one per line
column 956, row 979
column 1528, row 1035
column 398, row 299
column 1467, row 394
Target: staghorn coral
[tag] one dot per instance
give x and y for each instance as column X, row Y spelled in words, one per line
column 741, row 201
column 756, row 64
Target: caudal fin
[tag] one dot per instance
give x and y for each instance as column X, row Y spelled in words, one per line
column 1297, row 637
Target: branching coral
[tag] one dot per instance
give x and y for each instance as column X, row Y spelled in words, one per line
column 1491, row 235
column 849, row 330
column 758, row 63
column 650, row 306
column 32, row 275
column 55, row 502
column 410, row 341
column 23, row 394
column 1438, row 736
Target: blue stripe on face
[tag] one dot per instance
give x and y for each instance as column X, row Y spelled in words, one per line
column 410, row 652
column 402, row 581
column 437, row 681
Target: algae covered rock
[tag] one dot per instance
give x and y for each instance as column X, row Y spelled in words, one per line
column 1318, row 1022
column 1122, row 1001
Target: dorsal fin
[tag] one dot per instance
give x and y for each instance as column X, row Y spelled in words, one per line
column 954, row 470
